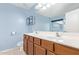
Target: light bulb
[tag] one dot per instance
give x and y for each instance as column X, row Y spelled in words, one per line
column 44, row 8
column 38, row 6
column 48, row 5
column 52, row 3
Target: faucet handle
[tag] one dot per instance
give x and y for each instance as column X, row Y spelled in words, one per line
column 57, row 34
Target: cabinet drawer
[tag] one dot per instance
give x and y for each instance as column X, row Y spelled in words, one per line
column 63, row 50
column 50, row 53
column 30, row 38
column 37, row 41
column 38, row 50
column 27, row 37
column 47, row 44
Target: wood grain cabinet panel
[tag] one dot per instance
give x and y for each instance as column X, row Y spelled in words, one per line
column 24, row 43
column 26, row 36
column 38, row 50
column 37, row 41
column 30, row 48
column 47, row 45
column 50, row 53
column 63, row 50
column 31, row 38
column 25, row 40
column 36, row 46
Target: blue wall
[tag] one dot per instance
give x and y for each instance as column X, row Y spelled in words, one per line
column 13, row 19
column 42, row 23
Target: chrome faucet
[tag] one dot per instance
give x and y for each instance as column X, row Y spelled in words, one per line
column 58, row 34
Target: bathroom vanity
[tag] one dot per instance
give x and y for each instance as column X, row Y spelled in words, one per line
column 44, row 44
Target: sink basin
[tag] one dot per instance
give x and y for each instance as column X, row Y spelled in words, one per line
column 50, row 37
column 60, row 40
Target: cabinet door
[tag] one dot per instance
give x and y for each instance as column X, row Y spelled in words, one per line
column 48, row 45
column 25, row 39
column 38, row 50
column 63, row 50
column 37, row 41
column 30, row 48
column 50, row 53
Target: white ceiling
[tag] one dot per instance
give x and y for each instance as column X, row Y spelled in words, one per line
column 24, row 5
column 58, row 9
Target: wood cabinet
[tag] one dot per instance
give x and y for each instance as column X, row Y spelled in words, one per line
column 25, row 40
column 64, row 50
column 50, row 53
column 48, row 45
column 38, row 46
column 31, row 38
column 38, row 50
column 30, row 47
column 37, row 41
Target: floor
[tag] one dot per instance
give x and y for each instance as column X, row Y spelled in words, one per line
column 14, row 51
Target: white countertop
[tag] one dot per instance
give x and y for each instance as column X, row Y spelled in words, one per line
column 64, row 40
